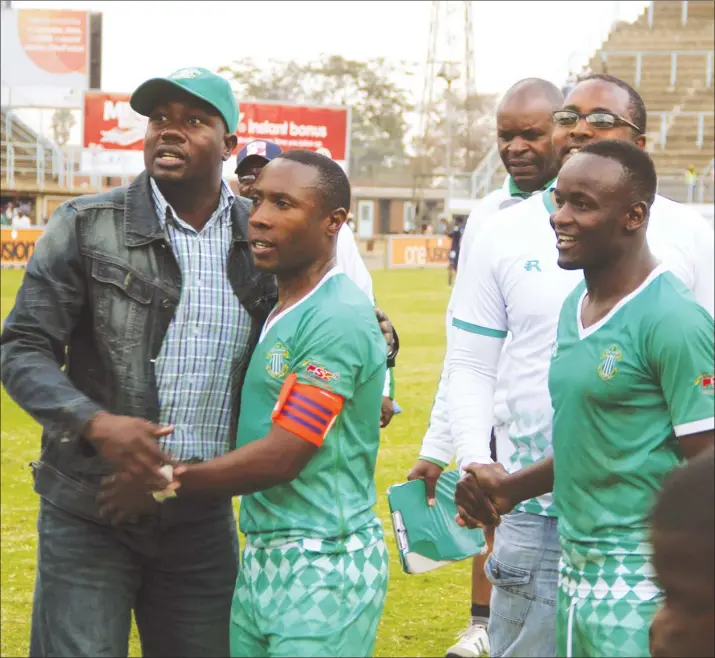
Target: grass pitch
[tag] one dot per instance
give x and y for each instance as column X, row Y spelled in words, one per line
column 422, row 613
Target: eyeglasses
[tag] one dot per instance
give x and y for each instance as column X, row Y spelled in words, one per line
column 601, row 120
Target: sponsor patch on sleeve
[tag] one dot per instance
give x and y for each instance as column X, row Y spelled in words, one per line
column 706, row 383
column 319, row 372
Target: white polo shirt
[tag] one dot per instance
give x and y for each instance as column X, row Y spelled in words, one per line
column 437, row 444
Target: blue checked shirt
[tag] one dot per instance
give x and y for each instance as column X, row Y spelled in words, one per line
column 209, row 330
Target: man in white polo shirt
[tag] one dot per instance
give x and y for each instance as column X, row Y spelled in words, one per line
column 517, row 288
column 524, row 128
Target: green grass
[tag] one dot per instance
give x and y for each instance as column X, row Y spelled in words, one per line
column 422, row 613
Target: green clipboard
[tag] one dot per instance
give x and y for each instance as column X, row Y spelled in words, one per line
column 429, row 537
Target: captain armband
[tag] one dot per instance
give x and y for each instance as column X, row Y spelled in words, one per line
column 305, row 410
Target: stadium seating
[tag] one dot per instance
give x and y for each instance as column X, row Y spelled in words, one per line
column 675, row 81
column 671, row 65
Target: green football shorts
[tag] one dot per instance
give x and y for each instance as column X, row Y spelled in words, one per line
column 290, row 601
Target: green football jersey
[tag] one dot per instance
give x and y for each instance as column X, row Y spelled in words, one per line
column 330, row 339
column 623, row 391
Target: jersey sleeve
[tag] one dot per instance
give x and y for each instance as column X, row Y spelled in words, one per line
column 682, row 352
column 339, row 352
column 330, row 361
column 479, row 306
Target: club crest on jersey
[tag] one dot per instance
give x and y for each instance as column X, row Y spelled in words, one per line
column 323, row 374
column 608, row 368
column 277, row 365
column 706, row 383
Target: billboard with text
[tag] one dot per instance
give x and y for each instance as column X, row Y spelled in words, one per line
column 45, row 48
column 316, row 128
column 110, row 125
column 417, row 251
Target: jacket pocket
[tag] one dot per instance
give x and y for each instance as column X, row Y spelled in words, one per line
column 122, row 302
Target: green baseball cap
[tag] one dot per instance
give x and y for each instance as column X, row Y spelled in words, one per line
column 209, row 87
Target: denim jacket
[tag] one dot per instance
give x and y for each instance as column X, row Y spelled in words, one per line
column 97, row 299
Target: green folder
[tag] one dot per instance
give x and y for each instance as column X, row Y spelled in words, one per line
column 429, row 537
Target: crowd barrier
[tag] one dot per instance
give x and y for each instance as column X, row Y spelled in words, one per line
column 18, row 244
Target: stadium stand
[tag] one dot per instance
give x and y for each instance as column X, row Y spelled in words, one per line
column 667, row 55
column 34, row 166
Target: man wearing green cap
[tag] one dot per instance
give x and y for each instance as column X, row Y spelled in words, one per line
column 128, row 343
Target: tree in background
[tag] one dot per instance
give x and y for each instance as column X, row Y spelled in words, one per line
column 472, row 136
column 379, row 103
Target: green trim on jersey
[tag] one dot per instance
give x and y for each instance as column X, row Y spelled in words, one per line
column 476, row 329
column 431, row 460
column 515, row 190
column 549, row 201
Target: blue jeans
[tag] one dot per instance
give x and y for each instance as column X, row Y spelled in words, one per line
column 176, row 571
column 524, row 572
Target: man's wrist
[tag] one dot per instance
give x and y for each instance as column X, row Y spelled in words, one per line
column 89, row 431
column 434, row 461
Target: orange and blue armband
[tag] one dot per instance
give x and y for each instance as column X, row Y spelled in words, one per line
column 305, row 410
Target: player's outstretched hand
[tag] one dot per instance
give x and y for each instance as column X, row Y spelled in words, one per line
column 482, row 495
column 429, row 472
column 130, row 444
column 386, row 328
column 387, row 411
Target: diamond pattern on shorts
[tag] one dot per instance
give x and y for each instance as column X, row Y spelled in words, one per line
column 291, row 588
column 624, row 573
column 607, row 627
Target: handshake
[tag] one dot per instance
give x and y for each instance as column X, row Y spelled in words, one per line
column 483, row 495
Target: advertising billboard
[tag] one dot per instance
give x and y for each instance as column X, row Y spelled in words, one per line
column 415, row 251
column 44, row 48
column 113, row 134
column 316, row 128
column 111, row 123
column 17, row 245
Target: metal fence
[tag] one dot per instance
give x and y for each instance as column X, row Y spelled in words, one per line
column 666, row 120
column 639, row 55
column 33, row 163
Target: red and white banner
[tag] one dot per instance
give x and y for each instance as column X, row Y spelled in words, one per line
column 322, row 129
column 111, row 124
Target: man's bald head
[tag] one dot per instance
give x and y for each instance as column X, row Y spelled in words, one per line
column 530, row 89
column 524, row 127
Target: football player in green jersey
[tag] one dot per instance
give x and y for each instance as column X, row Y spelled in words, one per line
column 313, row 578
column 683, row 549
column 632, row 390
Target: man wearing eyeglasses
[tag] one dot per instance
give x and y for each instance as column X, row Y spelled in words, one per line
column 518, row 288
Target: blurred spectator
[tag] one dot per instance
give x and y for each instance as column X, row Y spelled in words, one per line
column 456, row 234
column 21, row 220
column 443, row 226
column 3, row 219
column 427, row 229
column 691, row 180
